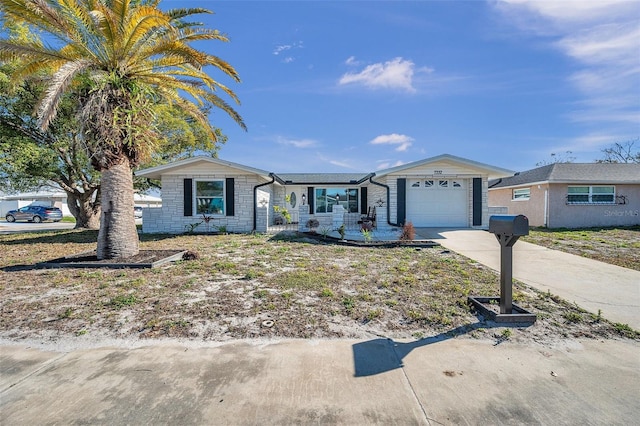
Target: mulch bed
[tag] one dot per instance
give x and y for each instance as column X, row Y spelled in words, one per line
column 374, row 243
column 144, row 259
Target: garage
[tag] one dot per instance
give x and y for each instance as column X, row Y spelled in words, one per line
column 438, row 202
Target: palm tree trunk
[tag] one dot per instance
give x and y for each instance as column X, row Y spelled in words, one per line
column 118, row 235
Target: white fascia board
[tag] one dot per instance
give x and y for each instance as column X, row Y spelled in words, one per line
column 158, row 171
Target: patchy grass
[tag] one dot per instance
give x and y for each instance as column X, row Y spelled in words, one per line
column 307, row 288
column 617, row 246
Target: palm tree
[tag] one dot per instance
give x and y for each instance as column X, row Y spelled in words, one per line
column 122, row 56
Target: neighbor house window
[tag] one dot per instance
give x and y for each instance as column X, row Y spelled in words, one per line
column 591, row 195
column 326, row 198
column 210, row 197
column 522, row 194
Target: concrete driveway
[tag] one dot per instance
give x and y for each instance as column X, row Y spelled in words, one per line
column 593, row 285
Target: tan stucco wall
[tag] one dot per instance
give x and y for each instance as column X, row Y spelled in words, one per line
column 533, row 208
column 563, row 215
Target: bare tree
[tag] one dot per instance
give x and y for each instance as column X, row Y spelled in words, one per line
column 625, row 152
column 567, row 157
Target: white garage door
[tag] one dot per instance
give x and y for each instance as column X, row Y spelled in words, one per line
column 438, row 202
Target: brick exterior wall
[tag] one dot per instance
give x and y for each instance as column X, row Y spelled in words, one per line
column 170, row 217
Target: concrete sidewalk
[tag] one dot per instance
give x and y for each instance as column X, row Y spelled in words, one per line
column 431, row 381
column 593, row 285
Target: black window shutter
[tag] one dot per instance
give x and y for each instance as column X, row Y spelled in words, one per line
column 310, row 199
column 230, row 196
column 188, row 197
column 364, row 203
column 477, row 201
column 402, row 200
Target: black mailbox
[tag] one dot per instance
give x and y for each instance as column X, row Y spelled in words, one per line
column 509, row 225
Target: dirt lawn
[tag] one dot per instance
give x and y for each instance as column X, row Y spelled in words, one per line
column 261, row 286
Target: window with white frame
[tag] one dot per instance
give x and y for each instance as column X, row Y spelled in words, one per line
column 209, row 197
column 522, row 194
column 591, row 195
column 326, row 198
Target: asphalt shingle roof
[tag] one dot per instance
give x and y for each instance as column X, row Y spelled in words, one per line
column 323, row 178
column 595, row 173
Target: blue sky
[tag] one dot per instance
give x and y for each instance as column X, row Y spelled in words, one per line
column 360, row 86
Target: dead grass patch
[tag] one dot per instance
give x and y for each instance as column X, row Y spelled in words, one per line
column 616, row 246
column 238, row 283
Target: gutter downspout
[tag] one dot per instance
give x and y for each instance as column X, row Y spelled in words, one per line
column 255, row 199
column 388, row 199
column 546, row 208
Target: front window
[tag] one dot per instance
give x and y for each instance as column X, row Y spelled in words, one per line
column 326, row 198
column 591, row 195
column 210, row 197
column 522, row 194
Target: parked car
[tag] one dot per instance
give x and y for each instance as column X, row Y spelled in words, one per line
column 35, row 214
column 137, row 212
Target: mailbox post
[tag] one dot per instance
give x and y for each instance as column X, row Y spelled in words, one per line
column 507, row 229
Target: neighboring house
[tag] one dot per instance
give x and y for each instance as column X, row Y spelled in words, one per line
column 443, row 191
column 40, row 198
column 144, row 200
column 571, row 195
column 59, row 199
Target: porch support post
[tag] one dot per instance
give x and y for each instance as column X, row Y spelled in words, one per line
column 303, row 211
column 338, row 216
column 262, row 212
column 381, row 219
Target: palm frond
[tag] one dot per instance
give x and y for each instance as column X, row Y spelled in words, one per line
column 38, row 13
column 60, row 82
column 136, row 55
column 184, row 12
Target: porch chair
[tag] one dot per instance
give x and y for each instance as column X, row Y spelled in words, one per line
column 370, row 217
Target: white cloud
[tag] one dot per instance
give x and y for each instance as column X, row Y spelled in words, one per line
column 286, row 48
column 573, row 11
column 395, row 74
column 341, row 164
column 388, row 164
column 603, row 44
column 351, row 61
column 279, row 49
column 403, row 142
column 603, row 38
column 297, row 143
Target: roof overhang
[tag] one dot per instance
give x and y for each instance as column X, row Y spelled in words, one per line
column 491, row 171
column 158, row 171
